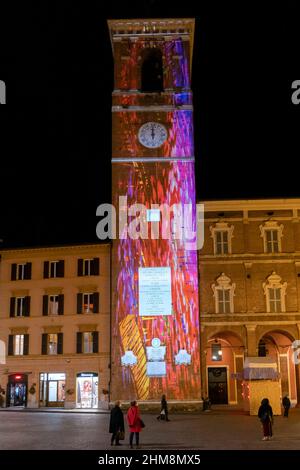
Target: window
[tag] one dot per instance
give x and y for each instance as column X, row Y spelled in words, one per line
column 275, row 292
column 20, row 271
column 216, row 352
column 152, row 71
column 19, row 306
column 52, row 343
column 224, row 300
column 18, row 345
column 88, row 267
column 223, row 291
column 53, row 269
column 222, row 235
column 87, row 342
column 88, row 302
column 53, row 304
column 271, row 233
column 262, row 351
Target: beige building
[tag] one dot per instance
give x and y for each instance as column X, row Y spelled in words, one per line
column 249, row 271
column 54, row 326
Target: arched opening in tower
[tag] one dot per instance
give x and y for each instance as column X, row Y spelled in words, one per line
column 152, row 71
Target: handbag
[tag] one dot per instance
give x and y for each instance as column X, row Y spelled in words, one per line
column 121, row 435
column 142, row 424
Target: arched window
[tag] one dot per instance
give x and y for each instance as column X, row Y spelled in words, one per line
column 152, row 71
column 223, row 293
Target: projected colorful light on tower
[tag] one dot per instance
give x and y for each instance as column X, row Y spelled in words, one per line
column 155, row 321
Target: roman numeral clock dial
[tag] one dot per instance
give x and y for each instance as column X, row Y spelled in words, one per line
column 152, row 134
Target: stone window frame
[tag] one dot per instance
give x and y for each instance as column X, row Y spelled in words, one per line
column 274, row 281
column 222, row 227
column 271, row 225
column 223, row 282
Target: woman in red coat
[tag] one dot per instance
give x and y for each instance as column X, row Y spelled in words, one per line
column 134, row 422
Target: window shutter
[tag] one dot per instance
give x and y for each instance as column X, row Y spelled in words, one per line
column 95, row 267
column 28, row 271
column 61, row 304
column 80, row 267
column 26, row 345
column 13, row 272
column 44, row 343
column 79, row 343
column 60, row 337
column 12, row 306
column 46, row 269
column 26, row 306
column 61, row 268
column 96, row 302
column 45, row 304
column 10, row 351
column 95, row 341
column 79, row 303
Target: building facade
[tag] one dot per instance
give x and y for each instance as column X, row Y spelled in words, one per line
column 155, row 316
column 54, row 326
column 249, row 272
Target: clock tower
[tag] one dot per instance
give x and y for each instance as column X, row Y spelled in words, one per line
column 154, row 286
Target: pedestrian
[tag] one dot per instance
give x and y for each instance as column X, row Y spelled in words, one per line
column 135, row 423
column 286, row 405
column 116, row 424
column 265, row 414
column 164, row 413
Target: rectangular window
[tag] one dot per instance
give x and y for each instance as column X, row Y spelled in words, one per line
column 216, row 352
column 272, row 244
column 53, row 305
column 88, row 303
column 20, row 272
column 18, row 345
column 87, row 340
column 20, row 307
column 222, row 242
column 275, row 300
column 52, row 343
column 87, row 267
column 224, row 300
column 53, row 268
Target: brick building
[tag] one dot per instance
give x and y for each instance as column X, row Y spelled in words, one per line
column 249, row 271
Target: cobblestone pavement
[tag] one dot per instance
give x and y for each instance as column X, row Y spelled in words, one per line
column 225, row 429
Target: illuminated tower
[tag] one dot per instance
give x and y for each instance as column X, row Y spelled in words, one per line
column 155, row 322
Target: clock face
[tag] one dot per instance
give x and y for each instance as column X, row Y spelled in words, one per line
column 152, row 135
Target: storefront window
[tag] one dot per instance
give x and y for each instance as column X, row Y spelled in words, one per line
column 52, row 389
column 87, row 390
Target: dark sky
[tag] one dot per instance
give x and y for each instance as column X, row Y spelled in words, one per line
column 55, row 135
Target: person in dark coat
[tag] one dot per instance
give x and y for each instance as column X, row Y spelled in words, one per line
column 164, row 412
column 116, row 424
column 286, row 405
column 265, row 414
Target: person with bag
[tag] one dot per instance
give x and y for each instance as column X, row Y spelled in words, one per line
column 265, row 414
column 116, row 424
column 164, row 413
column 286, row 405
column 135, row 423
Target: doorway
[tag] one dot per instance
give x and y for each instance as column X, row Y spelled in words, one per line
column 217, row 385
column 87, row 390
column 52, row 389
column 17, row 390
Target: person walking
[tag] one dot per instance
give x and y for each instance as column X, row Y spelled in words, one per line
column 135, row 423
column 116, row 424
column 164, row 413
column 286, row 405
column 265, row 414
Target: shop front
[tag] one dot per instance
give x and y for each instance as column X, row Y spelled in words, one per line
column 52, row 389
column 87, row 390
column 17, row 390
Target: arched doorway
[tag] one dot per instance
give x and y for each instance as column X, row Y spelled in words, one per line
column 224, row 354
column 278, row 345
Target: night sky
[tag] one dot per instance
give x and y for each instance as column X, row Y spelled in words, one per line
column 55, row 134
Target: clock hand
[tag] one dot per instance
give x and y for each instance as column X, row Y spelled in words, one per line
column 152, row 132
